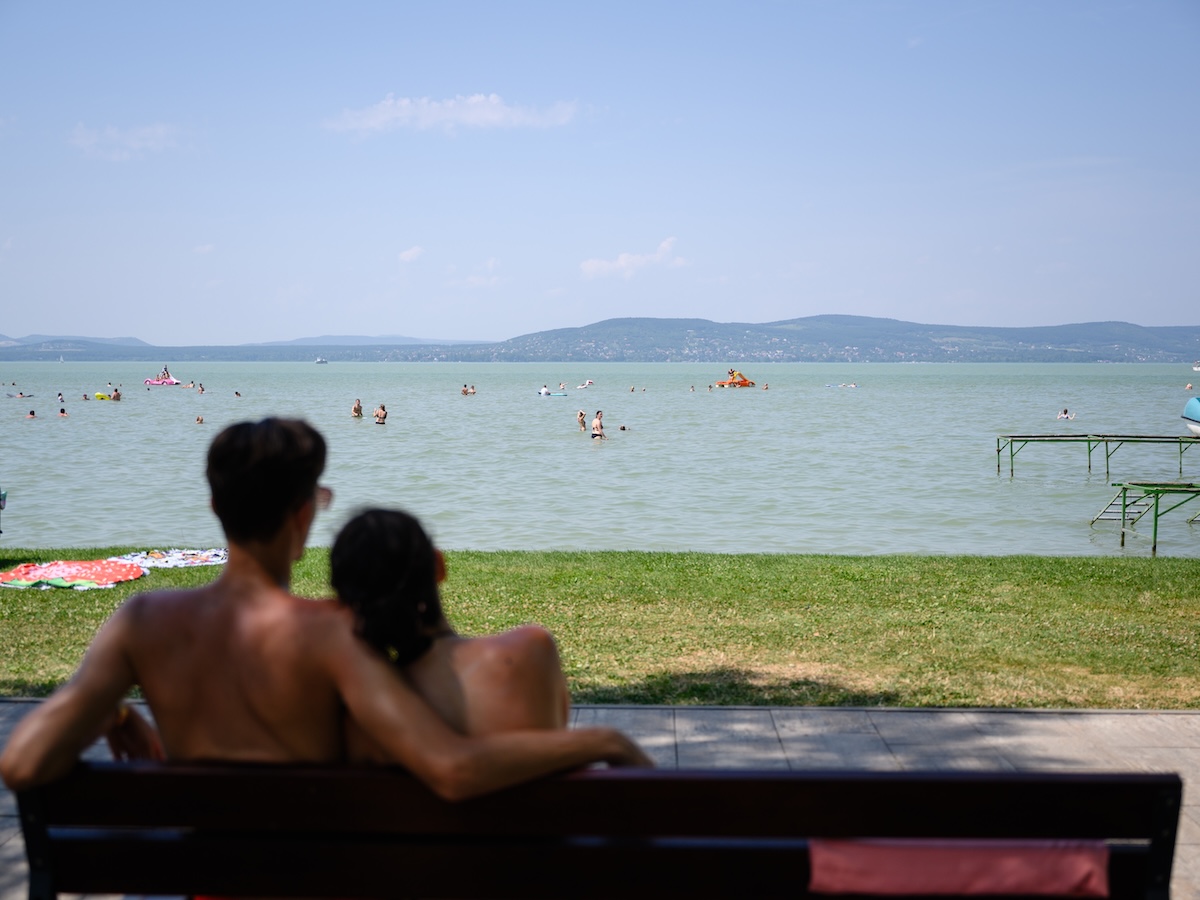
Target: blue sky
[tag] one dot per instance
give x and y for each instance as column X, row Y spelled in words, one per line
column 228, row 173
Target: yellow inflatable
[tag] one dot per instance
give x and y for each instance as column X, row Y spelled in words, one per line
column 103, row 397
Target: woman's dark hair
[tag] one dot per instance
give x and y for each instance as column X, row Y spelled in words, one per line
column 384, row 567
column 261, row 472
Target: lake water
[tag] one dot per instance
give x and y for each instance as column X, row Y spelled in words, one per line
column 903, row 463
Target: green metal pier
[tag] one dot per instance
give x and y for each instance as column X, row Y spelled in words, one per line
column 1135, row 499
column 1111, row 443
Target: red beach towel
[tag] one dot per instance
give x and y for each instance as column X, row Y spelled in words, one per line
column 79, row 574
column 893, row 867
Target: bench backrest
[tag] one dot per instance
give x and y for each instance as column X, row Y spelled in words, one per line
column 347, row 832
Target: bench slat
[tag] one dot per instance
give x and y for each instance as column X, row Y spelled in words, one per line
column 700, row 803
column 231, row 867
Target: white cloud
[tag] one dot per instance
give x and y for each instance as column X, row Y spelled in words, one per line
column 122, row 144
column 475, row 111
column 626, row 264
column 490, row 280
column 412, row 254
column 481, row 281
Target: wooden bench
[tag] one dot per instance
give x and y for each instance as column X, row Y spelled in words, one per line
column 356, row 832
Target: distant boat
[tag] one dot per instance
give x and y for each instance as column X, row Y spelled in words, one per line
column 322, row 361
column 1195, row 365
column 60, row 359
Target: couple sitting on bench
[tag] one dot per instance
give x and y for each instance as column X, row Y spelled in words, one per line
column 242, row 670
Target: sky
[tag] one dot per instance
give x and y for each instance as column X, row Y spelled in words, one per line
column 232, row 172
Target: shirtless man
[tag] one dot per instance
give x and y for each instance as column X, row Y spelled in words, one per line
column 598, row 426
column 242, row 670
column 356, row 410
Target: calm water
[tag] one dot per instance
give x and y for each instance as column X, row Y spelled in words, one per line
column 905, row 462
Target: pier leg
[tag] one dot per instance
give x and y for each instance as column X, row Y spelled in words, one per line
column 1124, row 497
column 1154, row 539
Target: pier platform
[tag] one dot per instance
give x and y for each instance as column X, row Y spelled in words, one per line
column 1110, row 442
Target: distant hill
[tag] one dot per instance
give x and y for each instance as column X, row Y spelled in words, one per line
column 809, row 339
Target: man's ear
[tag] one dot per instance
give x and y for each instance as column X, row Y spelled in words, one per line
column 439, row 566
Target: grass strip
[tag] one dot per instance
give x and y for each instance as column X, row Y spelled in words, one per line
column 715, row 629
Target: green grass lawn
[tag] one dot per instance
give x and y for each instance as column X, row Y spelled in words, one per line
column 703, row 628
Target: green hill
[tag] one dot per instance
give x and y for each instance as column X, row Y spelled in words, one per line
column 808, row 339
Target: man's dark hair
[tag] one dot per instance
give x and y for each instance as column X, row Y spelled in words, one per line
column 261, row 472
column 383, row 566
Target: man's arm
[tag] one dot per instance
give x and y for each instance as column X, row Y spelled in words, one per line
column 48, row 741
column 387, row 708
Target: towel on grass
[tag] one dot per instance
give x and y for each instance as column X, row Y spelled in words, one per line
column 176, row 559
column 82, row 575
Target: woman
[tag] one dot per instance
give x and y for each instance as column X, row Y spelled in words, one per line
column 385, row 568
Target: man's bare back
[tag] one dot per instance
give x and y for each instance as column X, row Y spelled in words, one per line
column 253, row 661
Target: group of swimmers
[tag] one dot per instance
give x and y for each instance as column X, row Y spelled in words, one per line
column 380, row 414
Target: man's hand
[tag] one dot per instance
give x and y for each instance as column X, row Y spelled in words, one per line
column 131, row 737
column 628, row 754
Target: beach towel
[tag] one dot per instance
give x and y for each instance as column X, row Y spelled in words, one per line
column 175, row 559
column 896, row 867
column 81, row 575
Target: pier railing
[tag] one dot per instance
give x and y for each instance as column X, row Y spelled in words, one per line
column 1110, row 442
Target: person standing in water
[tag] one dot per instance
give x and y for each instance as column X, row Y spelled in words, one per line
column 381, row 415
column 598, row 426
column 356, row 409
column 581, row 418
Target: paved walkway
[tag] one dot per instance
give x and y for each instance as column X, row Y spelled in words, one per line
column 881, row 739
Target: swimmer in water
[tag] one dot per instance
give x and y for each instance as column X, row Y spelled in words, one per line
column 598, row 426
column 1066, row 415
column 32, row 415
column 356, row 410
column 62, row 412
column 380, row 415
column 199, row 420
column 581, row 418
